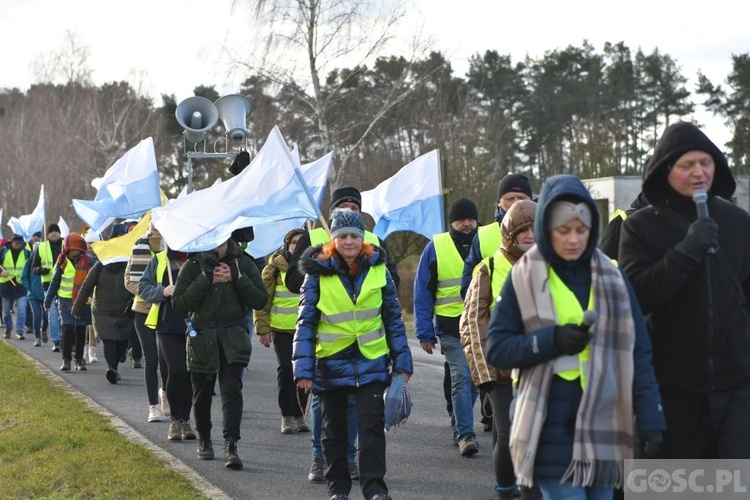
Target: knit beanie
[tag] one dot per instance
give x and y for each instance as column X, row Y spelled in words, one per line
column 562, row 212
column 53, row 228
column 74, row 241
column 18, row 238
column 346, row 221
column 463, row 208
column 678, row 139
column 346, row 193
column 516, row 183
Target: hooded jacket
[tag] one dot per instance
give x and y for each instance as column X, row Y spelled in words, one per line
column 271, row 276
column 701, row 340
column 347, row 368
column 509, row 345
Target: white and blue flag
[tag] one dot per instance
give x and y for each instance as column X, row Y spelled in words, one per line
column 27, row 225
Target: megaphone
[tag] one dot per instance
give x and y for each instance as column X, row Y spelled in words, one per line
column 233, row 110
column 197, row 115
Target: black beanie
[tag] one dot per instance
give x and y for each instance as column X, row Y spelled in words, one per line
column 463, row 208
column 516, row 183
column 346, row 193
column 53, row 228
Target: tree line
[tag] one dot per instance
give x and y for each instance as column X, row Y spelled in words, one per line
column 576, row 110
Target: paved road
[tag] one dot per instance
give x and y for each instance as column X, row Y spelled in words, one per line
column 422, row 462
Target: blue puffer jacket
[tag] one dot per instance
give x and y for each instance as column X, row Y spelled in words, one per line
column 509, row 345
column 348, row 368
column 32, row 283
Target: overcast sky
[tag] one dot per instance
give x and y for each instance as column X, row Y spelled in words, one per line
column 171, row 46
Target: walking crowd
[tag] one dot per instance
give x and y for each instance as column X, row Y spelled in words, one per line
column 579, row 358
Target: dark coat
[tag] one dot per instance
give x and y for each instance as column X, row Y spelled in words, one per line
column 106, row 286
column 510, row 346
column 696, row 350
column 348, row 368
column 219, row 310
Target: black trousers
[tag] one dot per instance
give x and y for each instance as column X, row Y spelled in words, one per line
column 501, row 396
column 179, row 390
column 113, row 352
column 155, row 364
column 711, row 425
column 73, row 335
column 292, row 401
column 370, row 416
column 230, row 387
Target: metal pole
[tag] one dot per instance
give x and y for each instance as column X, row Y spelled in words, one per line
column 190, row 174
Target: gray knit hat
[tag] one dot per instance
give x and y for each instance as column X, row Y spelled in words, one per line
column 346, row 221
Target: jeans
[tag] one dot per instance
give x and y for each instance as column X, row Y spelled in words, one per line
column 21, row 303
column 463, row 392
column 36, row 314
column 316, row 422
column 553, row 490
column 54, row 322
column 335, row 405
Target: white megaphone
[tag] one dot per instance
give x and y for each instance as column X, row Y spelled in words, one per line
column 233, row 110
column 197, row 115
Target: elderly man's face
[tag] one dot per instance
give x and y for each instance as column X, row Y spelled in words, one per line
column 692, row 171
column 509, row 199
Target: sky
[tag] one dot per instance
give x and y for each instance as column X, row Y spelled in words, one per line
column 172, row 46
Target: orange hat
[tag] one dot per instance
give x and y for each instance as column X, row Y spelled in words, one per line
column 74, row 241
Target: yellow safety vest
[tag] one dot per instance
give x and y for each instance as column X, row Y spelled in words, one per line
column 14, row 269
column 319, row 236
column 45, row 257
column 67, row 281
column 501, row 269
column 490, row 239
column 284, row 308
column 569, row 311
column 152, row 319
column 342, row 323
column 450, row 266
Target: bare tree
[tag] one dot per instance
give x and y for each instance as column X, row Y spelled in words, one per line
column 318, row 36
column 70, row 64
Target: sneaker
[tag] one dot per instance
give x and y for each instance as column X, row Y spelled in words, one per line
column 29, row 330
column 65, row 366
column 92, row 355
column 187, row 432
column 317, row 470
column 80, row 366
column 468, row 446
column 45, row 338
column 287, row 425
column 353, row 471
column 339, row 496
column 20, row 336
column 380, row 496
column 56, row 347
column 300, row 425
column 37, row 342
column 154, row 413
column 164, row 401
column 7, row 334
column 112, row 376
column 137, row 364
column 175, row 431
column 454, row 440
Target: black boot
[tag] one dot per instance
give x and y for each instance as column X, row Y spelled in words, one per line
column 231, row 459
column 205, row 448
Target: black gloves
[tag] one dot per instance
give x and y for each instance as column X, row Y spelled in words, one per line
column 648, row 444
column 570, row 339
column 487, row 386
column 702, row 235
column 41, row 271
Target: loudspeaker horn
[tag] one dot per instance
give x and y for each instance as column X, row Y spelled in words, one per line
column 197, row 115
column 233, row 111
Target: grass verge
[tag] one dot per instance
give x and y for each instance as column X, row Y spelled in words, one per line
column 53, row 446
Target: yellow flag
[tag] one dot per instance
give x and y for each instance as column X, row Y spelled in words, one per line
column 118, row 249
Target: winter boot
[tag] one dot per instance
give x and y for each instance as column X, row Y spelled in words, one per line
column 205, row 448
column 231, row 459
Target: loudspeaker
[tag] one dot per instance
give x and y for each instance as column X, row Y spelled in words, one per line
column 233, row 111
column 197, row 115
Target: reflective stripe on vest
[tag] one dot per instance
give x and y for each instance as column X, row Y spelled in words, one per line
column 490, row 239
column 450, row 267
column 500, row 271
column 161, row 267
column 67, row 281
column 285, row 306
column 14, row 269
column 619, row 213
column 342, row 323
column 319, row 236
column 569, row 311
column 45, row 257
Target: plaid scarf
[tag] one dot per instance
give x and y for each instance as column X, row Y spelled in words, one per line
column 604, row 422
